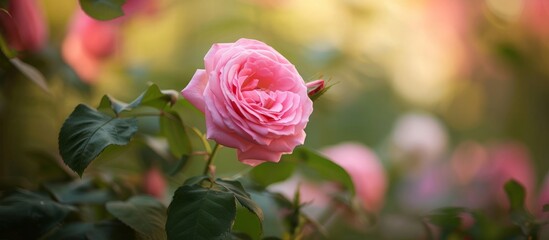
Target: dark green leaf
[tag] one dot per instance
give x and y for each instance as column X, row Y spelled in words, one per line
column 94, row 231
column 144, row 214
column 87, row 132
column 518, row 213
column 154, row 97
column 172, row 128
column 74, row 231
column 269, row 173
column 446, row 218
column 545, row 207
column 103, row 9
column 111, row 105
column 200, row 213
column 515, row 193
column 79, row 191
column 27, row 215
column 242, row 196
column 110, row 230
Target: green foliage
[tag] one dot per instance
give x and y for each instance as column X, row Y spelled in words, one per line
column 204, row 208
column 197, row 212
column 144, row 214
column 242, row 197
column 307, row 161
column 79, row 192
column 87, row 132
column 103, row 9
column 27, row 215
column 518, row 212
column 102, row 230
column 152, row 97
column 172, row 128
column 269, row 173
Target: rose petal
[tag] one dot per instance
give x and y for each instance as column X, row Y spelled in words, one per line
column 194, row 92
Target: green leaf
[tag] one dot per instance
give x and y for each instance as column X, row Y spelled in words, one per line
column 322, row 167
column 27, row 215
column 111, row 105
column 269, row 173
column 447, row 218
column 545, row 207
column 94, row 231
column 103, row 9
column 515, row 193
column 152, row 97
column 87, row 132
column 110, row 230
column 171, row 126
column 518, row 213
column 31, row 73
column 242, row 196
column 79, row 191
column 200, row 213
column 144, row 214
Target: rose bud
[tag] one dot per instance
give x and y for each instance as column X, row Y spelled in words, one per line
column 23, row 25
column 315, row 88
column 253, row 98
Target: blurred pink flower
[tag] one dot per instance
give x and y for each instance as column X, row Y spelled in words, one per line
column 89, row 42
column 536, row 16
column 366, row 171
column 511, row 161
column 428, row 190
column 24, row 26
column 154, row 183
column 467, row 160
column 482, row 172
column 418, row 137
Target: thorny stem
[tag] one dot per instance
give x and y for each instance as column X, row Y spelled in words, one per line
column 210, row 159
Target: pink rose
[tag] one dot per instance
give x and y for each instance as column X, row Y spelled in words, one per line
column 366, row 171
column 253, row 98
column 88, row 43
column 154, row 183
column 24, row 27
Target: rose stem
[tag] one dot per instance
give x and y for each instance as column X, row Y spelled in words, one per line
column 210, row 159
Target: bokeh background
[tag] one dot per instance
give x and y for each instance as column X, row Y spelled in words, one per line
column 450, row 95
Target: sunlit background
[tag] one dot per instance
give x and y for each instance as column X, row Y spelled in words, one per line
column 452, row 96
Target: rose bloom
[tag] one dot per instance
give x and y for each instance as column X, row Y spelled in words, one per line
column 154, row 183
column 366, row 171
column 89, row 42
column 24, row 27
column 253, row 98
